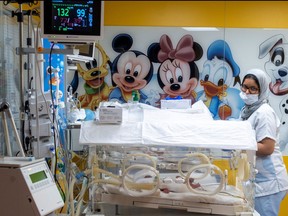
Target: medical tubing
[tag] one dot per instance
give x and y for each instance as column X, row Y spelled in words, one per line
column 93, row 198
column 76, row 172
column 63, row 177
column 127, row 184
column 53, row 163
column 204, row 159
column 71, row 196
column 106, row 181
column 119, row 180
column 81, row 196
column 129, row 156
column 243, row 168
column 119, row 183
column 96, row 170
column 208, row 167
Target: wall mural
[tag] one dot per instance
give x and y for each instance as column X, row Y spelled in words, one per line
column 276, row 66
column 53, row 73
column 161, row 62
column 177, row 74
column 219, row 74
column 93, row 74
column 131, row 71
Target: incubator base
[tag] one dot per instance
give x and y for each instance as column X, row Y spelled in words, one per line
column 127, row 205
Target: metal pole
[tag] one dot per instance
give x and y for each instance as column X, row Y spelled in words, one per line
column 22, row 78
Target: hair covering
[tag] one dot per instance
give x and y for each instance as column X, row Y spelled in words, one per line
column 262, row 78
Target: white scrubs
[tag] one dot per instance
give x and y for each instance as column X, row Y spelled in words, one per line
column 272, row 175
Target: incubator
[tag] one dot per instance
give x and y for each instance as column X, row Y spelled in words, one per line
column 180, row 159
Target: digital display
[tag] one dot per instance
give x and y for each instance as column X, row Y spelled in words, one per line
column 72, row 18
column 38, row 176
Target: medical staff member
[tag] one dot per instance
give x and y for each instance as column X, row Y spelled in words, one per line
column 271, row 181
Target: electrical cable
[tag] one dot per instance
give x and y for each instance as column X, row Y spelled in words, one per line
column 53, row 107
column 38, row 44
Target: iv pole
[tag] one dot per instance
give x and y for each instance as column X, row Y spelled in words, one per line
column 20, row 14
column 22, row 88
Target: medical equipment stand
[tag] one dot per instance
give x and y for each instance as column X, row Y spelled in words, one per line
column 5, row 111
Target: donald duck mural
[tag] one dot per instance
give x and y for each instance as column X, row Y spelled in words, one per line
column 219, row 72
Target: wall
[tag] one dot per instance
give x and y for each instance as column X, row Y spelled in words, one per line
column 240, row 14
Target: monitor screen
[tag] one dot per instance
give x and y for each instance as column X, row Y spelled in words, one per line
column 86, row 52
column 38, row 176
column 70, row 21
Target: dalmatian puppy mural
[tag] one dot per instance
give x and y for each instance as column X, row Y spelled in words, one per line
column 276, row 66
column 283, row 106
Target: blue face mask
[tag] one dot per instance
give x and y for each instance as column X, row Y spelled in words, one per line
column 249, row 99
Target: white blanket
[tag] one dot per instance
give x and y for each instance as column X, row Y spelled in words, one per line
column 190, row 127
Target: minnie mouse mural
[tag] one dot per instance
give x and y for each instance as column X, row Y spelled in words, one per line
column 177, row 74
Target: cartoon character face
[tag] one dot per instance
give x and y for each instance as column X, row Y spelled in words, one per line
column 216, row 76
column 92, row 73
column 277, row 65
column 277, row 68
column 132, row 71
column 175, row 76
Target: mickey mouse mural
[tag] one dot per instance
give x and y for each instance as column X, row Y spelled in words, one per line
column 131, row 71
column 177, row 74
column 219, row 70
